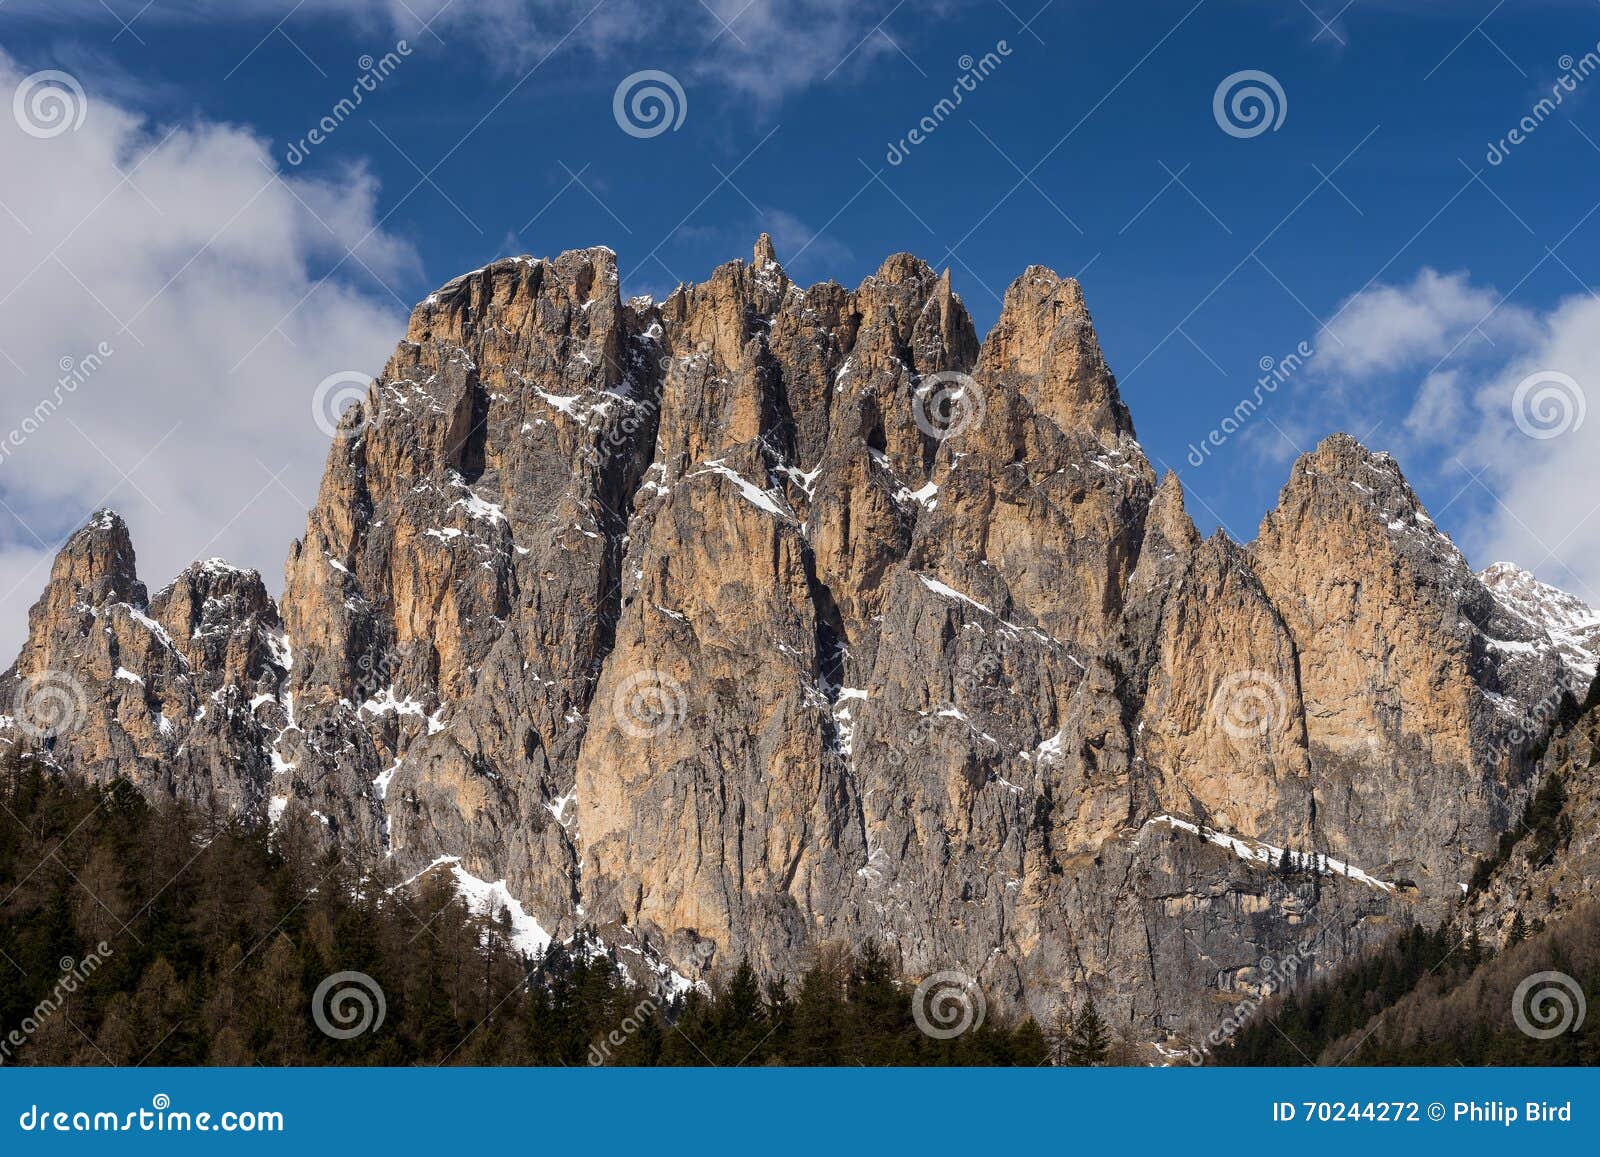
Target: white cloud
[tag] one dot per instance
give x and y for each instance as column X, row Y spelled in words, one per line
column 1438, row 409
column 197, row 264
column 1394, row 327
column 762, row 48
column 773, row 46
column 1547, row 516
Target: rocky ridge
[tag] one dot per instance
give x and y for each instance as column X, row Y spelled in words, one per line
column 769, row 615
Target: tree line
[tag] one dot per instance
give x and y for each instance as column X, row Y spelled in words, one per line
column 140, row 934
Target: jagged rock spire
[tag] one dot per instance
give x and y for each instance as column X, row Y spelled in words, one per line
column 1044, row 343
column 97, row 566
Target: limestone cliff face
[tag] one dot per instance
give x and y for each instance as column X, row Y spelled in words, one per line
column 768, row 616
column 1408, row 667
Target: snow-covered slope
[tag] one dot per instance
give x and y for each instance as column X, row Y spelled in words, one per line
column 1573, row 625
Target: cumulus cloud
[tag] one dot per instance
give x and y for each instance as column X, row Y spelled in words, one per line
column 1438, row 407
column 1394, row 327
column 1534, row 431
column 169, row 302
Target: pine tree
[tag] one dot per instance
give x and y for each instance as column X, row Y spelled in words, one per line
column 1059, row 1036
column 1090, row 1042
column 741, row 1026
column 1518, row 932
column 819, row 1015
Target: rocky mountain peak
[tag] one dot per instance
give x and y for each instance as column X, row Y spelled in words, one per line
column 1343, row 482
column 1570, row 622
column 764, row 253
column 903, row 269
column 1044, row 344
column 1364, row 501
column 224, row 623
column 1167, row 516
column 97, row 565
column 1342, row 458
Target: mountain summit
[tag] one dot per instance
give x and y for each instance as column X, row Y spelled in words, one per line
column 769, row 616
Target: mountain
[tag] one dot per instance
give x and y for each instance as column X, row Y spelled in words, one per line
column 766, row 617
column 1571, row 623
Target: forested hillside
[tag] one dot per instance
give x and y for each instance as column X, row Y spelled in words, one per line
column 132, row 934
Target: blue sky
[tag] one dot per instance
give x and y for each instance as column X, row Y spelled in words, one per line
column 1369, row 224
